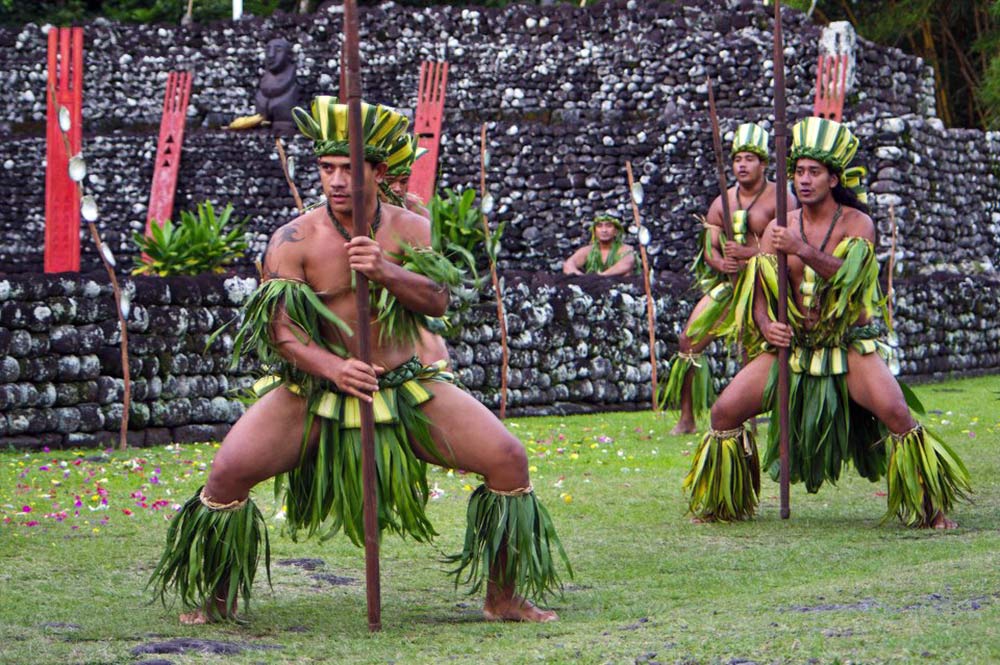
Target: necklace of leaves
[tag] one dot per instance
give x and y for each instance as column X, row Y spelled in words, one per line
column 739, row 203
column 829, row 231
column 340, row 227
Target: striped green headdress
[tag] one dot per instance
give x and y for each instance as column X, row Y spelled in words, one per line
column 751, row 137
column 403, row 152
column 826, row 141
column 326, row 124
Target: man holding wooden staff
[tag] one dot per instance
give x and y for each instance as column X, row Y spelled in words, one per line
column 717, row 264
column 845, row 404
column 305, row 427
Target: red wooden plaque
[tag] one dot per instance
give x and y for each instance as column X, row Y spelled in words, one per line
column 831, row 88
column 427, row 126
column 62, row 207
column 168, row 149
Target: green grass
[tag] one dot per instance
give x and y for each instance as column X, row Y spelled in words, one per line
column 829, row 585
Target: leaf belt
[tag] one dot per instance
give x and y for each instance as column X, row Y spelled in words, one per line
column 405, row 381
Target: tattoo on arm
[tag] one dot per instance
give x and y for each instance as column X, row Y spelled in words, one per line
column 289, row 233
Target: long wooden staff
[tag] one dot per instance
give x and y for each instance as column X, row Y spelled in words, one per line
column 650, row 305
column 108, row 261
column 504, row 353
column 781, row 194
column 720, row 166
column 288, row 175
column 889, row 292
column 360, row 221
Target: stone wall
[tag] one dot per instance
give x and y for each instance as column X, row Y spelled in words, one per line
column 61, row 369
column 569, row 95
column 577, row 344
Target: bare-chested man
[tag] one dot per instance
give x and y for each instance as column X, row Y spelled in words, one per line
column 305, row 426
column 606, row 254
column 719, row 261
column 841, row 387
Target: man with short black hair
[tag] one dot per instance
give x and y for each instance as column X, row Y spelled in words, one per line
column 606, row 254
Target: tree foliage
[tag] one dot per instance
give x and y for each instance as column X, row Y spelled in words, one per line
column 960, row 40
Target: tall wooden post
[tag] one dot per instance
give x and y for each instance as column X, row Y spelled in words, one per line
column 364, row 333
column 781, row 149
column 65, row 97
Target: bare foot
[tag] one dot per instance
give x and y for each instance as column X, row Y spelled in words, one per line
column 704, row 519
column 196, row 618
column 941, row 521
column 684, row 427
column 516, row 609
column 202, row 616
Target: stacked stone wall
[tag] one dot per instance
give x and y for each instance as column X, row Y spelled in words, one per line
column 61, row 378
column 569, row 95
column 943, row 186
column 576, row 345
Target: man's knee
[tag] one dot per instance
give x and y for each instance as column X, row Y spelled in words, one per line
column 722, row 414
column 228, row 478
column 898, row 417
column 684, row 344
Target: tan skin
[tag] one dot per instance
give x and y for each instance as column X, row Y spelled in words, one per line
column 749, row 170
column 431, row 348
column 266, row 440
column 605, row 233
column 869, row 381
column 400, row 185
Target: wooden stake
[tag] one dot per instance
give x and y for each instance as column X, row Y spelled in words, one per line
column 780, row 148
column 720, row 166
column 123, row 326
column 501, row 317
column 288, row 176
column 890, row 293
column 650, row 304
column 364, row 335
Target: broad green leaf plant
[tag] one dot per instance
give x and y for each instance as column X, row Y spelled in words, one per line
column 199, row 244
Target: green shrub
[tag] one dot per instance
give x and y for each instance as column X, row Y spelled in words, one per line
column 197, row 245
column 457, row 228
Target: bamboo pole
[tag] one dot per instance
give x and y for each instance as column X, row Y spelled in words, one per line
column 501, row 317
column 288, row 176
column 781, row 194
column 650, row 304
column 364, row 335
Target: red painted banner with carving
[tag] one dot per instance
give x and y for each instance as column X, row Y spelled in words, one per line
column 427, row 126
column 168, row 148
column 62, row 207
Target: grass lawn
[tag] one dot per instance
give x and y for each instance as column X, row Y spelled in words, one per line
column 81, row 530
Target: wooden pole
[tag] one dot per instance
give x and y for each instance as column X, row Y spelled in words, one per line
column 123, row 325
column 780, row 148
column 720, row 166
column 650, row 305
column 288, row 176
column 889, row 292
column 504, row 353
column 360, row 222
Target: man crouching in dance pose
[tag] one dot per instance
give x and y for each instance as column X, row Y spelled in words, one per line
column 845, row 405
column 305, row 427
